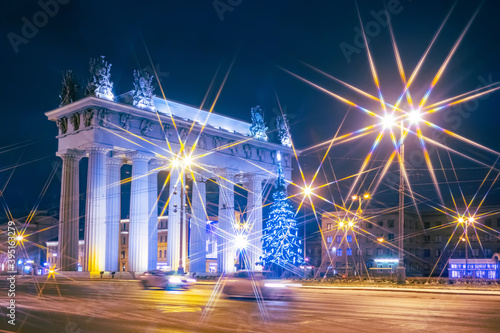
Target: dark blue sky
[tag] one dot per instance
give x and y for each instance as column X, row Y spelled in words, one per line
column 188, row 41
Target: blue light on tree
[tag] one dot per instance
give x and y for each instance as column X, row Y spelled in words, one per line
column 280, row 242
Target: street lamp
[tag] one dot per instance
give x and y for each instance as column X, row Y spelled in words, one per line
column 465, row 223
column 387, row 122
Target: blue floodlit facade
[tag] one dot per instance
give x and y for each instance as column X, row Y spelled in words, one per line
column 476, row 268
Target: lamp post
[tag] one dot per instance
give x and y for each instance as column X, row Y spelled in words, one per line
column 359, row 211
column 401, row 270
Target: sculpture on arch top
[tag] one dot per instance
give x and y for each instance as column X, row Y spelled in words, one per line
column 69, row 89
column 258, row 128
column 284, row 130
column 143, row 90
column 100, row 84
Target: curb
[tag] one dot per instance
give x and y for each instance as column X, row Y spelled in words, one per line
column 431, row 291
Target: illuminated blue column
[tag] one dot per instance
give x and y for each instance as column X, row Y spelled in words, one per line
column 139, row 218
column 95, row 215
column 153, row 214
column 69, row 211
column 225, row 228
column 254, row 219
column 198, row 227
column 174, row 219
column 113, row 195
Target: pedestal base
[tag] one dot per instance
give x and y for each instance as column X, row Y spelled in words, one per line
column 401, row 275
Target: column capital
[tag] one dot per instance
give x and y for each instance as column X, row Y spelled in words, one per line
column 140, row 155
column 114, row 161
column 225, row 173
column 70, row 154
column 98, row 149
column 156, row 164
column 250, row 177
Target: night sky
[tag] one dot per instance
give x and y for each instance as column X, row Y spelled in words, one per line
column 189, row 41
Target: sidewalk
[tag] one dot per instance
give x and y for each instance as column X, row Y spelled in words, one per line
column 414, row 290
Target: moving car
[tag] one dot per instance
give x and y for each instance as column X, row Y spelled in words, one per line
column 254, row 284
column 166, row 280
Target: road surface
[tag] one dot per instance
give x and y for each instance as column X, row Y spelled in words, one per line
column 123, row 306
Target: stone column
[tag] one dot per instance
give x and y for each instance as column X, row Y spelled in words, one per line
column 225, row 229
column 69, row 211
column 153, row 215
column 95, row 216
column 139, row 214
column 197, row 240
column 254, row 219
column 174, row 218
column 113, row 212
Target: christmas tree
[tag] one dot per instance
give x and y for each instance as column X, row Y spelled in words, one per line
column 280, row 243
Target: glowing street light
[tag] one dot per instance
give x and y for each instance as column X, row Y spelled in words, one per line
column 241, row 242
column 414, row 117
column 380, row 240
column 307, row 190
column 354, row 197
column 19, row 238
column 350, row 224
column 366, row 196
column 388, row 121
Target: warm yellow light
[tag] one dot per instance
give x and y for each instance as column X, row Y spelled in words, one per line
column 388, row 121
column 366, row 196
column 187, row 161
column 175, row 162
column 380, row 239
column 307, row 190
column 350, row 223
column 460, row 220
column 463, row 239
column 414, row 117
column 354, row 197
column 471, row 219
column 341, row 224
column 19, row 238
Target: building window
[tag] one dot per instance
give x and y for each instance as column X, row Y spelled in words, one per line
column 338, row 239
column 417, row 252
column 164, row 253
column 349, row 238
column 390, row 237
column 498, row 222
column 369, row 225
column 369, row 252
column 349, row 252
column 380, row 223
column 487, row 222
column 427, row 225
column 412, row 225
column 159, row 254
column 124, row 227
column 390, row 223
column 487, row 252
column 329, row 239
column 338, row 264
column 123, row 254
column 438, row 252
column 123, row 240
column 380, row 252
column 438, row 238
column 427, row 239
column 339, row 252
column 475, row 252
column 461, row 252
column 329, row 226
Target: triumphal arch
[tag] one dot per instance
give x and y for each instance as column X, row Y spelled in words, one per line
column 154, row 134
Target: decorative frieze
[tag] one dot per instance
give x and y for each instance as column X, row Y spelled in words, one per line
column 62, row 123
column 146, row 126
column 125, row 121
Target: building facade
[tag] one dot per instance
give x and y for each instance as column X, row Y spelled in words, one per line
column 369, row 245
